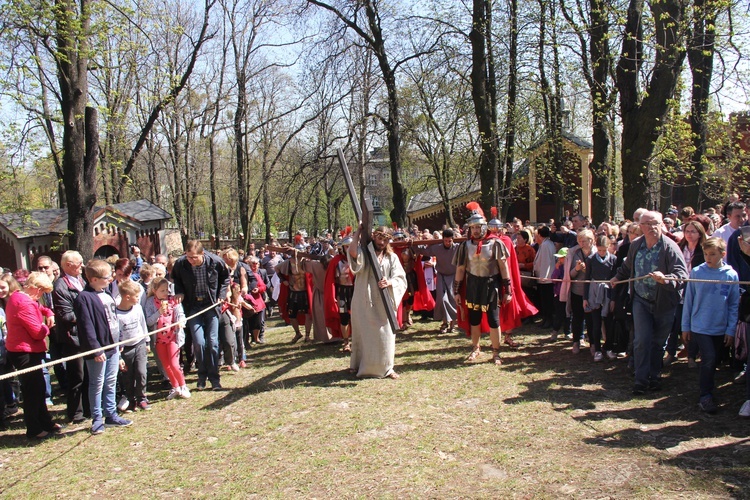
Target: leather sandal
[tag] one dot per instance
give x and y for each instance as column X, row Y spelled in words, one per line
column 510, row 342
column 496, row 357
column 474, row 354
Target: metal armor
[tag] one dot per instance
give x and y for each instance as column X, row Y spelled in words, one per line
column 484, row 264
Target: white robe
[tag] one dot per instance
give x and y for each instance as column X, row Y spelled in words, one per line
column 373, row 340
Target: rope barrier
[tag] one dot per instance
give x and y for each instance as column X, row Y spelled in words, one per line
column 102, row 349
column 682, row 280
column 168, row 327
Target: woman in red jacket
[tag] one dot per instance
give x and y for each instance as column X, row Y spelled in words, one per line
column 28, row 324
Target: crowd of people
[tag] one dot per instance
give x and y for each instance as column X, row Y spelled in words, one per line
column 652, row 290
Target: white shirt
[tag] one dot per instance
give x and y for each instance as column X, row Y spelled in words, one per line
column 724, row 232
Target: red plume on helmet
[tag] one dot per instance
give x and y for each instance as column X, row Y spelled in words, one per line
column 345, row 232
column 475, row 208
column 298, row 238
column 493, row 211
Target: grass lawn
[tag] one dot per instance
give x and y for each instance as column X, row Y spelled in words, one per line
column 295, row 424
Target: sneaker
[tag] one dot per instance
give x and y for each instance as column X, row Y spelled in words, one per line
column 144, row 406
column 708, row 405
column 740, row 378
column 639, row 389
column 173, row 393
column 216, row 387
column 611, row 355
column 745, row 410
column 124, row 404
column 235, row 367
column 242, row 364
column 200, row 386
column 97, row 428
column 10, row 410
column 576, row 347
column 598, row 356
column 553, row 337
column 185, row 392
column 117, row 421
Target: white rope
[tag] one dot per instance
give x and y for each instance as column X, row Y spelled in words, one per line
column 103, row 348
column 681, row 280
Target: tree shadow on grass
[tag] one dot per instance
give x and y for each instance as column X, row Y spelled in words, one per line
column 288, row 358
column 667, row 420
column 274, row 380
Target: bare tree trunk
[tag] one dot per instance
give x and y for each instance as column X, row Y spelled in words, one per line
column 488, row 159
column 700, row 55
column 643, row 114
column 510, row 119
column 80, row 135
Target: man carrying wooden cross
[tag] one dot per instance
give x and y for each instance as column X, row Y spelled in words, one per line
column 373, row 340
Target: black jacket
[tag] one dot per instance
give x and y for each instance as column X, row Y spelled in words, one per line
column 63, row 297
column 184, row 280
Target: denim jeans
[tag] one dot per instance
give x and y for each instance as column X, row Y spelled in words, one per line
column 205, row 331
column 710, row 348
column 650, row 333
column 102, row 382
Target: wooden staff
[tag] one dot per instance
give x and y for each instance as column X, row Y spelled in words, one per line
column 364, row 215
column 403, row 244
column 291, row 250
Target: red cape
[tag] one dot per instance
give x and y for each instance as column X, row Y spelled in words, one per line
column 284, row 298
column 510, row 314
column 423, row 300
column 330, row 304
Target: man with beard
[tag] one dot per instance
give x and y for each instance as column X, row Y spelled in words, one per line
column 373, row 340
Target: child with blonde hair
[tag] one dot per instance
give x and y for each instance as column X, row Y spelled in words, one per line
column 163, row 310
column 234, row 309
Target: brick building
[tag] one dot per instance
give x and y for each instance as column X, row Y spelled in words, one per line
column 25, row 236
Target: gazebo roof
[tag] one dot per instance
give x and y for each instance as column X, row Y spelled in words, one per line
column 54, row 221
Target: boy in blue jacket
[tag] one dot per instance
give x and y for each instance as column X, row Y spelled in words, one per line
column 710, row 314
column 97, row 329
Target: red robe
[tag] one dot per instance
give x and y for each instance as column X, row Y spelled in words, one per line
column 510, row 314
column 423, row 300
column 520, row 306
column 330, row 304
column 284, row 297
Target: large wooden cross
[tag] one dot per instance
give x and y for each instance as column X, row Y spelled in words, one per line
column 364, row 214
